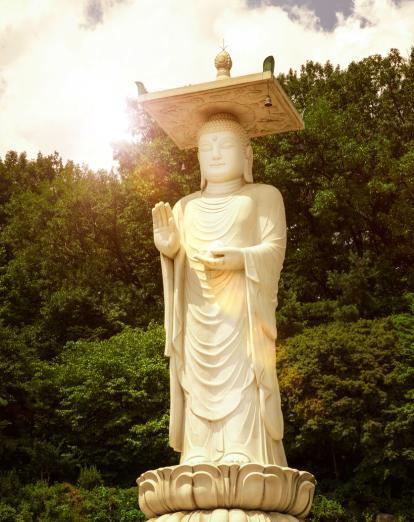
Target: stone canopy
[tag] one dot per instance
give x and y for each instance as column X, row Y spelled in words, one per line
column 257, row 101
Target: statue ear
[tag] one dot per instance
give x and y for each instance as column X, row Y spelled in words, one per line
column 248, row 164
column 203, row 181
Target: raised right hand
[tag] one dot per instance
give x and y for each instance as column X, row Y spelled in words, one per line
column 166, row 237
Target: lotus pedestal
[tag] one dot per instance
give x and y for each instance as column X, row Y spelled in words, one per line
column 226, row 492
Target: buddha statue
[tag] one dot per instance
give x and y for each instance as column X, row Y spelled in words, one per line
column 222, row 250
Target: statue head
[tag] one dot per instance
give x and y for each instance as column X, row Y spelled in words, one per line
column 224, row 150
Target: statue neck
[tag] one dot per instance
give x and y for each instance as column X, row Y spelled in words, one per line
column 224, row 187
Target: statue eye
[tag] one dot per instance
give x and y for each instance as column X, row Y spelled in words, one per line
column 205, row 147
column 227, row 144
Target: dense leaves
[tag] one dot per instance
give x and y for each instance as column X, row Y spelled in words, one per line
column 83, row 380
column 344, row 388
column 100, row 403
column 117, row 390
column 66, row 503
column 347, row 181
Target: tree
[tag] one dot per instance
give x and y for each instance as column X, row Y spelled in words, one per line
column 111, row 399
column 346, row 391
column 347, row 181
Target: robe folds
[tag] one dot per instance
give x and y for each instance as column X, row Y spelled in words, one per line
column 220, row 325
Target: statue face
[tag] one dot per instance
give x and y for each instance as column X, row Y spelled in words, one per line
column 221, row 155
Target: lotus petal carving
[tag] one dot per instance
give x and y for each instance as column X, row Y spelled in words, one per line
column 232, row 488
column 224, row 515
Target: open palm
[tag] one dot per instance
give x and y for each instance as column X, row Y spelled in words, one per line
column 166, row 236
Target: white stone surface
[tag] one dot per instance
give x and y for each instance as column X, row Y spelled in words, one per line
column 228, row 491
column 225, row 515
column 222, row 251
column 182, row 110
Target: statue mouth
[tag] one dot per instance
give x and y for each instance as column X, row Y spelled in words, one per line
column 216, row 164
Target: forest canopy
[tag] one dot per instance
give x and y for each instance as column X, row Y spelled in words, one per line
column 83, row 381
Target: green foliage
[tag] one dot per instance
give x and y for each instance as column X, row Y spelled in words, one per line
column 78, row 261
column 41, row 502
column 108, row 396
column 17, row 362
column 327, row 510
column 100, row 403
column 347, row 393
column 89, row 478
column 7, row 513
column 347, row 182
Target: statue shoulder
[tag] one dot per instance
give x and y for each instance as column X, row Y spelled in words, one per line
column 266, row 193
column 181, row 203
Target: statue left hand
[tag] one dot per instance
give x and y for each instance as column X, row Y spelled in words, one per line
column 223, row 258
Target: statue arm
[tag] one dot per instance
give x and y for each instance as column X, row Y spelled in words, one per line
column 172, row 275
column 271, row 241
column 263, row 262
column 169, row 274
column 272, row 231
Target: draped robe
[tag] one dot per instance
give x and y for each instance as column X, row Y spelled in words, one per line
column 220, row 326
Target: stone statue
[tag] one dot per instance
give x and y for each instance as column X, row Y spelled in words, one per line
column 222, row 251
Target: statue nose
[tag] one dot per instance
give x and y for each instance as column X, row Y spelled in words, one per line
column 216, row 151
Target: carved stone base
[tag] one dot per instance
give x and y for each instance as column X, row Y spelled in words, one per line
column 224, row 515
column 226, row 492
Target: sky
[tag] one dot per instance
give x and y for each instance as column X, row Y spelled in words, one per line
column 68, row 66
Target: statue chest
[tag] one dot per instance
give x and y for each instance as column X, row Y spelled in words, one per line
column 229, row 220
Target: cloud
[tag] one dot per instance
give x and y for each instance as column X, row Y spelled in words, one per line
column 93, row 13
column 66, row 71
column 304, row 17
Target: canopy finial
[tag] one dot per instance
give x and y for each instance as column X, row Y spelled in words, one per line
column 223, row 64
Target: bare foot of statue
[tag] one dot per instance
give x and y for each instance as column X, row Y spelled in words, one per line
column 235, row 458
